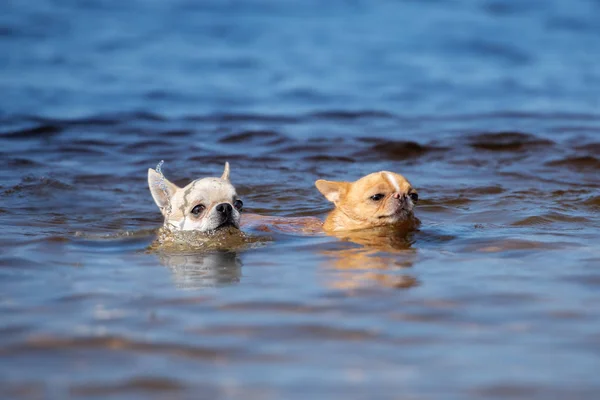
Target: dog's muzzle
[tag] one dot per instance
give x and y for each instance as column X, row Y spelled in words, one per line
column 225, row 210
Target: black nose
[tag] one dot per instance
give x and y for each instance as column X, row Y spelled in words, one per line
column 224, row 208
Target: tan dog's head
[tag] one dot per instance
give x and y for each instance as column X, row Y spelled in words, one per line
column 204, row 205
column 379, row 199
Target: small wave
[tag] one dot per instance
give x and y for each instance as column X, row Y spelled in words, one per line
column 328, row 158
column 593, row 202
column 19, row 263
column 395, row 150
column 507, row 141
column 577, row 163
column 42, row 131
column 494, row 49
column 482, row 190
column 592, row 148
column 53, row 344
column 37, row 186
column 301, row 148
column 351, row 115
column 81, row 150
column 501, row 245
column 114, row 119
column 263, row 136
column 146, row 145
column 242, row 118
column 307, row 331
column 140, row 384
column 548, row 219
column 21, row 162
column 93, row 143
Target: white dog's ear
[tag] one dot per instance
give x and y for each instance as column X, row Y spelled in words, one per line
column 225, row 175
column 333, row 191
column 162, row 190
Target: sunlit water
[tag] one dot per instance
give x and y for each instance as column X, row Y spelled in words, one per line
column 490, row 109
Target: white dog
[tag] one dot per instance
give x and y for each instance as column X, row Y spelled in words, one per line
column 204, row 205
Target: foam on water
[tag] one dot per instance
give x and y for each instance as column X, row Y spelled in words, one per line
column 227, row 238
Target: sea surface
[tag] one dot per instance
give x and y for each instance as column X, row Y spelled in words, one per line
column 490, row 108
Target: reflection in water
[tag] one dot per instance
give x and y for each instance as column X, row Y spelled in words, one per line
column 200, row 270
column 387, row 238
column 383, row 252
column 200, row 259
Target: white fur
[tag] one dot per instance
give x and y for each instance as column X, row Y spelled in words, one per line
column 208, row 191
column 391, row 179
column 177, row 203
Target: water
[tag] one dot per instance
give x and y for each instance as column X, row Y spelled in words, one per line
column 489, row 108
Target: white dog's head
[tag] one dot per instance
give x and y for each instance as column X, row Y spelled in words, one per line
column 204, row 205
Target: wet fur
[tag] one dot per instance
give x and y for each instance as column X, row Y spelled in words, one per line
column 176, row 204
column 355, row 209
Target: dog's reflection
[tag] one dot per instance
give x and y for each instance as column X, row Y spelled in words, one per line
column 200, row 270
column 380, row 259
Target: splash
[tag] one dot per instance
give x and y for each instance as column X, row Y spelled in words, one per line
column 163, row 186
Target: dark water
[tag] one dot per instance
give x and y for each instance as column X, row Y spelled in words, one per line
column 490, row 108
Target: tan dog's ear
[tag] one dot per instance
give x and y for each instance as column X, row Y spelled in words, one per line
column 160, row 187
column 225, row 175
column 333, row 191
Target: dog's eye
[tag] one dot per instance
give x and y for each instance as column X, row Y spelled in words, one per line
column 414, row 196
column 198, row 209
column 377, row 197
column 238, row 204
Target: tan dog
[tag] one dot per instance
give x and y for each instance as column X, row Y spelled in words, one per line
column 204, row 205
column 378, row 199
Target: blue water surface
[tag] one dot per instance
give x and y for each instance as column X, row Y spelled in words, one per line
column 490, row 108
